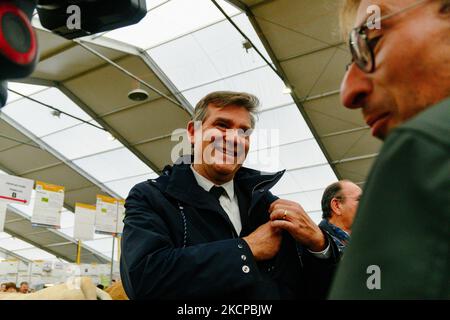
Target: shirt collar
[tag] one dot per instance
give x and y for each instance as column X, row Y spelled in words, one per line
column 207, row 185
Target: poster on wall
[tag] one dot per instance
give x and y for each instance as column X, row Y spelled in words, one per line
column 37, row 266
column 58, row 269
column 107, row 215
column 9, row 267
column 84, row 222
column 47, row 205
column 15, row 189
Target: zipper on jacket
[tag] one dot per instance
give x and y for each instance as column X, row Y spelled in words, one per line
column 265, row 181
column 262, row 182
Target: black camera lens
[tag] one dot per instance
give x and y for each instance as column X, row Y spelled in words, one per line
column 16, row 33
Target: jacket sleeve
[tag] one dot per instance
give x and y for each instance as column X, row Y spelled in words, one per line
column 319, row 273
column 152, row 267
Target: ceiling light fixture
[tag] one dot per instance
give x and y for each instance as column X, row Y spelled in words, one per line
column 287, row 90
column 138, row 95
column 247, row 45
column 56, row 113
column 110, row 136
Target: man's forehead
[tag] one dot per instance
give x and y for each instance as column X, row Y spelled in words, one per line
column 230, row 113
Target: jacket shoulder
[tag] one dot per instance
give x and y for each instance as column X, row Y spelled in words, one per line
column 149, row 185
column 148, row 191
column 433, row 123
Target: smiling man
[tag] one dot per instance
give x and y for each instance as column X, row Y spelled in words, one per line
column 400, row 79
column 202, row 231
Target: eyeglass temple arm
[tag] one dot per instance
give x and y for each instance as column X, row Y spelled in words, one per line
column 387, row 16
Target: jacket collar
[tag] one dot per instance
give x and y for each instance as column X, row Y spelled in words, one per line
column 207, row 185
column 179, row 182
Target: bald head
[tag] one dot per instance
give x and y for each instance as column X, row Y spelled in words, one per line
column 340, row 203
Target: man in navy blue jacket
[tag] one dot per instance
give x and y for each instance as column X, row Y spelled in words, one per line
column 202, row 230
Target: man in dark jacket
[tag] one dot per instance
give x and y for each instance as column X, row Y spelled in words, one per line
column 202, row 230
column 400, row 78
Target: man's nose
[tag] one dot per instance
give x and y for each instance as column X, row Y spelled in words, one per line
column 356, row 87
column 233, row 136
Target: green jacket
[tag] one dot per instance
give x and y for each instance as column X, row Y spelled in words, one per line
column 403, row 222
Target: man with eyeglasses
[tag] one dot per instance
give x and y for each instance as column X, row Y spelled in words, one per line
column 400, row 79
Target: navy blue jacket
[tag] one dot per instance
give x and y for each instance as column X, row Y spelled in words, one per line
column 195, row 253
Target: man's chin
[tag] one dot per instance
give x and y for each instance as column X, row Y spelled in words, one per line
column 226, row 169
column 383, row 134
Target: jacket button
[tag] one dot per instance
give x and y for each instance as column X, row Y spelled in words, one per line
column 244, row 257
column 240, row 245
column 245, row 269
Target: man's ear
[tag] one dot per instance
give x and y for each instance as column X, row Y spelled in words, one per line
column 191, row 131
column 336, row 206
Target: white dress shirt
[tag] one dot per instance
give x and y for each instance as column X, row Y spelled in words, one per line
column 228, row 200
column 230, row 205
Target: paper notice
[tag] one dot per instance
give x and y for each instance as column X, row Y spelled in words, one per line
column 15, row 189
column 84, row 222
column 106, row 215
column 47, row 205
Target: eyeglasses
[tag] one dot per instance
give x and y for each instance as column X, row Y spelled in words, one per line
column 361, row 47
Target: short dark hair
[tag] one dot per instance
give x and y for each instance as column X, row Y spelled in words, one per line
column 10, row 285
column 332, row 191
column 24, row 282
column 225, row 98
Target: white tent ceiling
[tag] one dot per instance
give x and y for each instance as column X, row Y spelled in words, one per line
column 303, row 40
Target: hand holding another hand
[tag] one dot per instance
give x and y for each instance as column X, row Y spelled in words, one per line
column 264, row 242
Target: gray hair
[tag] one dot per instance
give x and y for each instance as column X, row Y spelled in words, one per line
column 226, row 98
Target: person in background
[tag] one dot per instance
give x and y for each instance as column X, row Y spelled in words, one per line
column 10, row 287
column 3, row 287
column 399, row 78
column 24, row 287
column 339, row 204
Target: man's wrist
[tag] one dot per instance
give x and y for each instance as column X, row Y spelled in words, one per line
column 320, row 244
column 325, row 254
column 251, row 246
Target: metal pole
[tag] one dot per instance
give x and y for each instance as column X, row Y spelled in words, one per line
column 119, row 240
column 17, row 275
column 30, row 266
column 112, row 260
column 79, row 252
